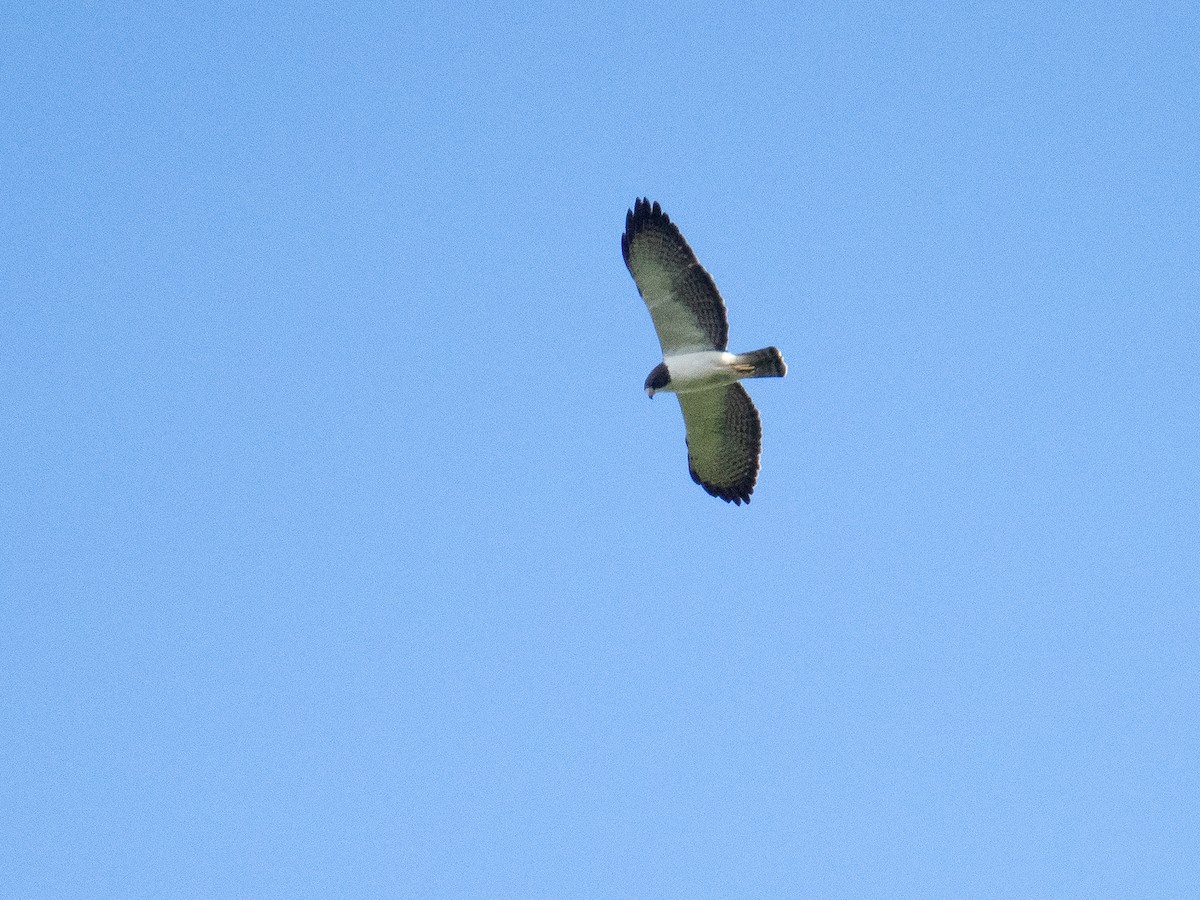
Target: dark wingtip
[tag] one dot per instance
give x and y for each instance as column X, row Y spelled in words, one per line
column 643, row 212
column 732, row 495
column 735, row 494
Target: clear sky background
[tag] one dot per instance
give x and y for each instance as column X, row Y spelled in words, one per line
column 343, row 555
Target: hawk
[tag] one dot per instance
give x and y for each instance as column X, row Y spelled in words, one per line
column 724, row 434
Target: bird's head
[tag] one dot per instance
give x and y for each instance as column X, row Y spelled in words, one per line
column 657, row 379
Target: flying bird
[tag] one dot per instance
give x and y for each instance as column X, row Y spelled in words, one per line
column 724, row 434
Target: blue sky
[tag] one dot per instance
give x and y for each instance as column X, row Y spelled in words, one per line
column 343, row 554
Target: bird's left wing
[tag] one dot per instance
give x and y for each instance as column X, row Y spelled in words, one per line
column 688, row 312
column 724, row 440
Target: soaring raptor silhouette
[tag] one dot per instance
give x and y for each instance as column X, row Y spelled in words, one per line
column 724, row 434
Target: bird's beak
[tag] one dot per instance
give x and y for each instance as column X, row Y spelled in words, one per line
column 650, row 393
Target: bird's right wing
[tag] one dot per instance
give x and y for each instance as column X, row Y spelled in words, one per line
column 724, row 440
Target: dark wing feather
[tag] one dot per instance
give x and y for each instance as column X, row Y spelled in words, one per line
column 724, row 440
column 684, row 303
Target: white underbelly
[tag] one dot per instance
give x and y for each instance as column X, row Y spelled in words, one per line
column 700, row 371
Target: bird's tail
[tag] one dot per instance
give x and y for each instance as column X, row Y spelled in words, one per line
column 765, row 363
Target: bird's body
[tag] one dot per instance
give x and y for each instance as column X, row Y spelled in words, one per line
column 704, row 370
column 698, row 371
column 724, row 436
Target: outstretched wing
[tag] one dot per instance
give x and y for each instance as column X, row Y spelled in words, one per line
column 724, row 439
column 687, row 310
